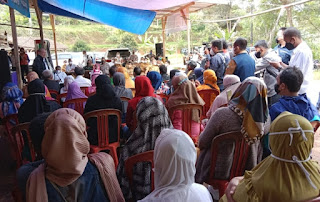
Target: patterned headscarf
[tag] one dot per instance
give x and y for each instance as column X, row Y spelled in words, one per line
column 12, row 99
column 249, row 101
column 152, row 118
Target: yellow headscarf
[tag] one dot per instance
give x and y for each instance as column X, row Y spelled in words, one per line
column 129, row 81
column 288, row 174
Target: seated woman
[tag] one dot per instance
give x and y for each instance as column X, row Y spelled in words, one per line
column 174, row 169
column 230, row 83
column 288, row 174
column 81, row 177
column 129, row 81
column 209, row 82
column 199, row 74
column 74, row 92
column 69, row 79
column 143, row 89
column 122, row 91
column 105, row 98
column 32, row 76
column 156, row 81
column 95, row 73
column 184, row 93
column 36, row 102
column 152, row 117
column 247, row 112
column 11, row 99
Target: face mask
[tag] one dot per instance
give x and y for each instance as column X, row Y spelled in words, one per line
column 289, row 46
column 211, row 52
column 276, row 88
column 58, row 71
column 258, row 54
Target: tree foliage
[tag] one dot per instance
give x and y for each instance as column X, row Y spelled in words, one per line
column 80, row 46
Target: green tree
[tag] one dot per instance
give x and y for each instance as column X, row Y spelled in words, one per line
column 80, row 46
column 127, row 41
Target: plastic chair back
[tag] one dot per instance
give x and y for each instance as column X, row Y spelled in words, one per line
column 19, row 142
column 54, row 94
column 240, row 156
column 102, row 116
column 133, row 160
column 208, row 97
column 78, row 104
column 85, row 90
column 9, row 122
column 187, row 111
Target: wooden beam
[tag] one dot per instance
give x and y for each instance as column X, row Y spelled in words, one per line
column 179, row 9
column 52, row 21
column 184, row 17
column 39, row 17
column 189, row 33
column 15, row 45
column 164, row 22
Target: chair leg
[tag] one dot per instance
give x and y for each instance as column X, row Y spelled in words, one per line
column 114, row 155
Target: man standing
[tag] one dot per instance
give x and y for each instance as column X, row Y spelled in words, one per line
column 218, row 62
column 281, row 49
column 133, row 57
column 269, row 61
column 241, row 64
column 24, row 61
column 104, row 66
column 301, row 56
column 40, row 63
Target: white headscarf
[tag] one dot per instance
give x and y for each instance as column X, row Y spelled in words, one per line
column 174, row 163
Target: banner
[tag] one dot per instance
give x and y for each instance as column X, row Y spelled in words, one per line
column 20, row 5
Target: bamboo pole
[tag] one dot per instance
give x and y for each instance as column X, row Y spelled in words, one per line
column 54, row 37
column 164, row 22
column 39, row 17
column 15, row 45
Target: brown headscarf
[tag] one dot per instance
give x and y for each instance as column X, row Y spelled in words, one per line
column 66, row 140
column 184, row 93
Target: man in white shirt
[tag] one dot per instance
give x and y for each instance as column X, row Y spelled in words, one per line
column 59, row 75
column 82, row 82
column 301, row 56
column 70, row 67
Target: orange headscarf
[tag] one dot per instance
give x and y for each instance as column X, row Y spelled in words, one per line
column 129, row 81
column 209, row 80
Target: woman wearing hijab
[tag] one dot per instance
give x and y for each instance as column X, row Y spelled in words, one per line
column 247, row 111
column 174, row 169
column 36, row 102
column 80, row 177
column 209, row 82
column 105, row 98
column 12, row 99
column 288, row 174
column 74, row 92
column 32, row 76
column 67, row 80
column 156, row 80
column 230, row 83
column 199, row 74
column 143, row 89
column 184, row 93
column 129, row 81
column 152, row 117
column 93, row 86
column 122, row 91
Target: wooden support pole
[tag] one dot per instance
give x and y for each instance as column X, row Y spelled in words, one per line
column 15, row 45
column 54, row 37
column 164, row 22
column 39, row 17
column 188, row 30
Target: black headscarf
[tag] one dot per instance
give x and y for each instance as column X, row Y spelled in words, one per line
column 104, row 87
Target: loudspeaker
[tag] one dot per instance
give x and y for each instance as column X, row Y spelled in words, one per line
column 159, row 49
column 5, row 75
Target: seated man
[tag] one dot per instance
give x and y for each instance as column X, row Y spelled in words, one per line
column 82, row 82
column 288, row 85
column 49, row 82
column 59, row 75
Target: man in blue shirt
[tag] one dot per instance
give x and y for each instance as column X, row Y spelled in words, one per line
column 218, row 61
column 282, row 51
column 288, row 85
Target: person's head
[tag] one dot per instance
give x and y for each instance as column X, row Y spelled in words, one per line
column 22, row 50
column 103, row 60
column 118, row 55
column 163, row 69
column 70, row 61
column 207, row 63
column 133, row 52
column 279, row 35
column 174, row 161
column 143, row 86
column 47, row 75
column 119, row 79
column 89, row 63
column 104, row 87
column 32, row 76
column 79, row 71
column 224, row 45
column 216, row 45
column 36, row 87
column 155, row 78
column 11, row 92
column 289, row 81
column 112, row 70
column 292, row 37
column 58, row 68
column 230, row 80
column 124, row 71
column 191, row 65
column 136, row 71
column 65, row 138
column 42, row 52
column 67, row 80
column 209, row 77
column 84, row 52
column 239, row 45
column 74, row 91
column 261, row 48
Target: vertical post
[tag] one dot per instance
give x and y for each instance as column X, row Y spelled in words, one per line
column 39, row 17
column 15, row 45
column 164, row 21
column 188, row 30
column 52, row 21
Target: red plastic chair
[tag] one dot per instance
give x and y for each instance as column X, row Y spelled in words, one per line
column 19, row 143
column 240, row 156
column 54, row 94
column 187, row 110
column 208, row 97
column 164, row 97
column 103, row 131
column 85, row 90
column 78, row 103
column 133, row 160
column 9, row 122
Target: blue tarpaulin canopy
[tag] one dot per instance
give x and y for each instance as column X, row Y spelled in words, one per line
column 131, row 20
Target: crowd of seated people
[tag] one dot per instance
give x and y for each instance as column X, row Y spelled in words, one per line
column 66, row 169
